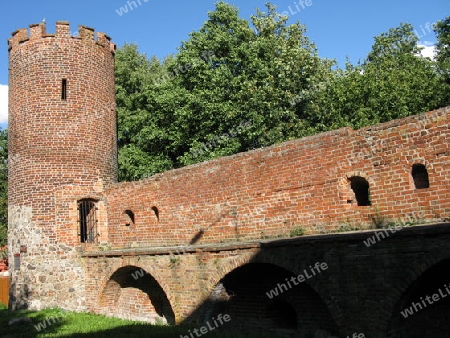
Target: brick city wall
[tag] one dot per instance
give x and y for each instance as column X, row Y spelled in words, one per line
column 306, row 183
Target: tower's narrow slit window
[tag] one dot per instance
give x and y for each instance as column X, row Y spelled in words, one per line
column 64, row 89
column 87, row 220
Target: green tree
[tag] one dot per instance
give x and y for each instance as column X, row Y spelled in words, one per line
column 254, row 78
column 393, row 82
column 142, row 137
column 442, row 30
column 230, row 88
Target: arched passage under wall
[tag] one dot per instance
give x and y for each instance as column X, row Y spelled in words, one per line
column 262, row 296
column 132, row 293
column 418, row 314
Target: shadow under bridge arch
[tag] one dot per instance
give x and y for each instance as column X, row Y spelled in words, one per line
column 424, row 308
column 258, row 297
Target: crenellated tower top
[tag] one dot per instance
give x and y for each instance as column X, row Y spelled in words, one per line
column 39, row 31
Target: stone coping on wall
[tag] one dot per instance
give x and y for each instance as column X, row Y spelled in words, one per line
column 430, row 229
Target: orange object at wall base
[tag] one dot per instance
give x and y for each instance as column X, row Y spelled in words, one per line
column 4, row 289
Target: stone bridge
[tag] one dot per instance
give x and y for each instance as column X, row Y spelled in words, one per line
column 343, row 284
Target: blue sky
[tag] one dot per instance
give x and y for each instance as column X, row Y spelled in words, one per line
column 339, row 28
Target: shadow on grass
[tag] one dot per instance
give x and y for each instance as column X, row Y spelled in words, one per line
column 40, row 319
column 59, row 323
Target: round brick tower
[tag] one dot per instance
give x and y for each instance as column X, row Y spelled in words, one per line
column 62, row 156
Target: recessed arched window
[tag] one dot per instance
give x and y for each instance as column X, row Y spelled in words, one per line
column 130, row 217
column 87, row 220
column 156, row 211
column 360, row 187
column 419, row 174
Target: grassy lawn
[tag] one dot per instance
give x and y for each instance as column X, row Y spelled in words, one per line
column 59, row 323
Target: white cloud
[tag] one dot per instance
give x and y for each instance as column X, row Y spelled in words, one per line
column 427, row 43
column 3, row 103
column 428, row 50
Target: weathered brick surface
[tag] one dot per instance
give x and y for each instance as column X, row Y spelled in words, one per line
column 267, row 192
column 60, row 151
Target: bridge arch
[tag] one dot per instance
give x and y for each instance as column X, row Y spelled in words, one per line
column 416, row 312
column 262, row 296
column 130, row 292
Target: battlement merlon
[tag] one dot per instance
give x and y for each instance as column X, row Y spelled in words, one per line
column 39, row 31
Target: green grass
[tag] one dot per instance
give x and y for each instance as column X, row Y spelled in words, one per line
column 297, row 231
column 71, row 324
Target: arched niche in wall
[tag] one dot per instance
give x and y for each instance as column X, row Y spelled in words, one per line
column 361, row 190
column 420, row 177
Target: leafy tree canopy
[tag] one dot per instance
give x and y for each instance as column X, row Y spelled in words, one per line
column 236, row 85
column 392, row 82
column 230, row 88
column 442, row 30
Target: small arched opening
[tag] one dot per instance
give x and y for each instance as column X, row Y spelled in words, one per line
column 129, row 217
column 419, row 174
column 361, row 189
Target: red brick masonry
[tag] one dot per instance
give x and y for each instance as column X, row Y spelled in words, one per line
column 305, row 183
